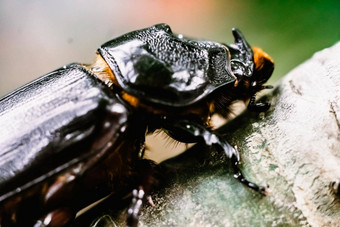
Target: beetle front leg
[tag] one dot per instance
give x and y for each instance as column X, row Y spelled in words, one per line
column 257, row 107
column 193, row 132
column 235, row 160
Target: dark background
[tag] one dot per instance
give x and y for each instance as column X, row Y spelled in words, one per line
column 37, row 37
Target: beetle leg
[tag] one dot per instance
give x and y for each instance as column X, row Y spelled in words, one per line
column 235, row 160
column 257, row 107
column 197, row 133
column 142, row 193
column 135, row 207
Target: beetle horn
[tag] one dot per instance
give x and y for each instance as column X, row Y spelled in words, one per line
column 242, row 56
column 240, row 41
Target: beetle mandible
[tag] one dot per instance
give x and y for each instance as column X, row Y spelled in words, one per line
column 77, row 134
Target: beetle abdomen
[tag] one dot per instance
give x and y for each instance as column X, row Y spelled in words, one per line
column 56, row 113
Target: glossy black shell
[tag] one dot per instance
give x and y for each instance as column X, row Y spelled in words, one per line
column 53, row 123
column 165, row 69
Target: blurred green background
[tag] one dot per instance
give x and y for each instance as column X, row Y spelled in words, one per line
column 37, row 37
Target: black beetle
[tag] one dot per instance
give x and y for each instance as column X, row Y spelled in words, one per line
column 77, row 134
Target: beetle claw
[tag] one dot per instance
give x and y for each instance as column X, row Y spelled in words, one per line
column 264, row 190
column 150, row 201
column 239, row 176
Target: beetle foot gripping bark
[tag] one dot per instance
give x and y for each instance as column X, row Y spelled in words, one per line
column 133, row 212
column 147, row 181
column 234, row 156
column 235, row 160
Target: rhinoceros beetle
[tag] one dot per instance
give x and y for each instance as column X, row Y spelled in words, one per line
column 77, row 134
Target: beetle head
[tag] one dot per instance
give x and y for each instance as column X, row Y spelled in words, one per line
column 251, row 66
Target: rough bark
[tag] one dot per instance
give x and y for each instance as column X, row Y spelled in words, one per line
column 294, row 148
